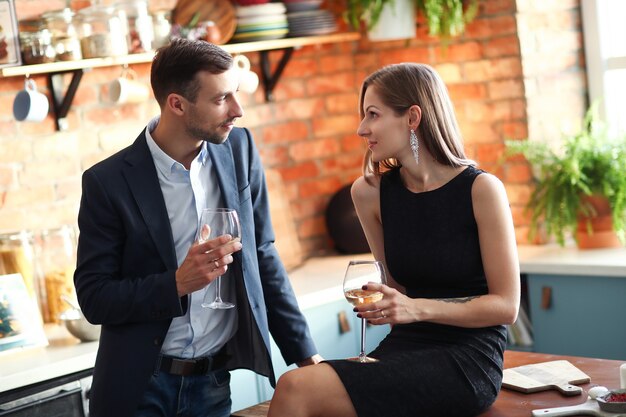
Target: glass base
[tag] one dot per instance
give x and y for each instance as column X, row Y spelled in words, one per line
column 218, row 305
column 363, row 359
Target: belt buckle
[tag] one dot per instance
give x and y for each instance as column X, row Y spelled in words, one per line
column 180, row 367
column 203, row 366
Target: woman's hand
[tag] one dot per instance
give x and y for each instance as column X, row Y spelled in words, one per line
column 394, row 308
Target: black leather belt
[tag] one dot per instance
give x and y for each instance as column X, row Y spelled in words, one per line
column 189, row 367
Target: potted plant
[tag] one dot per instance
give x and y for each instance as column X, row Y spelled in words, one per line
column 580, row 188
column 446, row 18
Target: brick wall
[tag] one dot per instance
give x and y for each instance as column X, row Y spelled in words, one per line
column 507, row 76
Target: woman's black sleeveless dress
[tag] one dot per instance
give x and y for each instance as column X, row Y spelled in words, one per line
column 427, row 369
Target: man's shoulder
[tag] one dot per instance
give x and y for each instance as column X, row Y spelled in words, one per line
column 240, row 141
column 239, row 134
column 117, row 160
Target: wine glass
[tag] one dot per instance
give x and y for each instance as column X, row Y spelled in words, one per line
column 358, row 274
column 216, row 222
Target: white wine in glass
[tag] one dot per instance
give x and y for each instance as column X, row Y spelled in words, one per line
column 358, row 274
column 216, row 222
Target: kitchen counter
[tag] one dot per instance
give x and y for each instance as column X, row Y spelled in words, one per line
column 64, row 355
column 553, row 259
column 317, row 281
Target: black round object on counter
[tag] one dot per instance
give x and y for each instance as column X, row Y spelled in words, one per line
column 343, row 224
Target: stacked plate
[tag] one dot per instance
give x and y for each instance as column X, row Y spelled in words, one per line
column 294, row 6
column 261, row 22
column 311, row 22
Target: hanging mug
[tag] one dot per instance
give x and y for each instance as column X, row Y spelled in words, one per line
column 126, row 89
column 248, row 80
column 30, row 105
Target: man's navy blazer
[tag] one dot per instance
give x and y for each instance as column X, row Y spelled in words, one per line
column 125, row 275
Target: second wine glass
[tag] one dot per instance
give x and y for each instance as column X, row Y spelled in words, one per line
column 358, row 274
column 216, row 222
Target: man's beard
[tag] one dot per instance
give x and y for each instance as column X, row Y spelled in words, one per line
column 210, row 136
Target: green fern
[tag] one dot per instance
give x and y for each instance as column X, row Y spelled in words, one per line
column 587, row 163
column 447, row 18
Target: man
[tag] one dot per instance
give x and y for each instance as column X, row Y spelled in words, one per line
column 143, row 276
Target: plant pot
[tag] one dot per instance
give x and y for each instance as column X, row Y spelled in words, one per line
column 397, row 21
column 596, row 230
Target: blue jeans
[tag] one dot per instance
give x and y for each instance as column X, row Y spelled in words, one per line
column 190, row 396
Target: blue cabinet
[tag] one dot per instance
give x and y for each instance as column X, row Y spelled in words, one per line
column 578, row 315
column 244, row 389
column 332, row 343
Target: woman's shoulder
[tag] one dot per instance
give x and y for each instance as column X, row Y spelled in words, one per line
column 365, row 187
column 487, row 186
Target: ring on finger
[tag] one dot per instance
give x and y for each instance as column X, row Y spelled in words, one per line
column 382, row 313
column 217, row 265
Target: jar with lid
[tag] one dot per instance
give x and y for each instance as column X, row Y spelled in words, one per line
column 140, row 28
column 64, row 34
column 102, row 32
column 162, row 23
column 58, row 261
column 36, row 43
column 17, row 256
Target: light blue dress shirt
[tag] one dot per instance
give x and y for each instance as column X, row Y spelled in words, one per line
column 201, row 331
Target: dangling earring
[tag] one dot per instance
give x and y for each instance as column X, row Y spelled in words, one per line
column 415, row 146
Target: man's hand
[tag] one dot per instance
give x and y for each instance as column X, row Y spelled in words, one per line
column 204, row 263
column 310, row 361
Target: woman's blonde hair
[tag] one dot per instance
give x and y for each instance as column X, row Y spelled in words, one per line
column 400, row 86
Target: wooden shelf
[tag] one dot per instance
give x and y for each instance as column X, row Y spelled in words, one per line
column 235, row 48
column 240, row 48
column 62, row 100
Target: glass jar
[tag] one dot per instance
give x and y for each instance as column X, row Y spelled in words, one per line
column 58, row 261
column 102, row 32
column 37, row 47
column 64, row 34
column 17, row 256
column 140, row 28
column 162, row 23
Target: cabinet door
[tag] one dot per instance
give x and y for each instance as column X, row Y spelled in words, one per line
column 331, row 341
column 244, row 389
column 578, row 315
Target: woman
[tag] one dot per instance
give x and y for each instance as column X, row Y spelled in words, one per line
column 443, row 230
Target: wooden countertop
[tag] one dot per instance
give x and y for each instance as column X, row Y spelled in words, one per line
column 510, row 403
column 515, row 404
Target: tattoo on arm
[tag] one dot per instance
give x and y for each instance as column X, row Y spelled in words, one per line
column 459, row 300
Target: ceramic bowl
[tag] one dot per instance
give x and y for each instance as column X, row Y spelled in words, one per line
column 607, row 401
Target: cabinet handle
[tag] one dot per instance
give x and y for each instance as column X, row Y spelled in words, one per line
column 546, row 298
column 344, row 323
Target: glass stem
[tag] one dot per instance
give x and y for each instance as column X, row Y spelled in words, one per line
column 218, row 295
column 362, row 353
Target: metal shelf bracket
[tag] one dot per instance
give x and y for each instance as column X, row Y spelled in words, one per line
column 270, row 80
column 61, row 102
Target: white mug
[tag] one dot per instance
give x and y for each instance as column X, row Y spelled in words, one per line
column 30, row 105
column 248, row 80
column 126, row 89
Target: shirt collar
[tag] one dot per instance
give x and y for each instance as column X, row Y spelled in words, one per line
column 165, row 163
